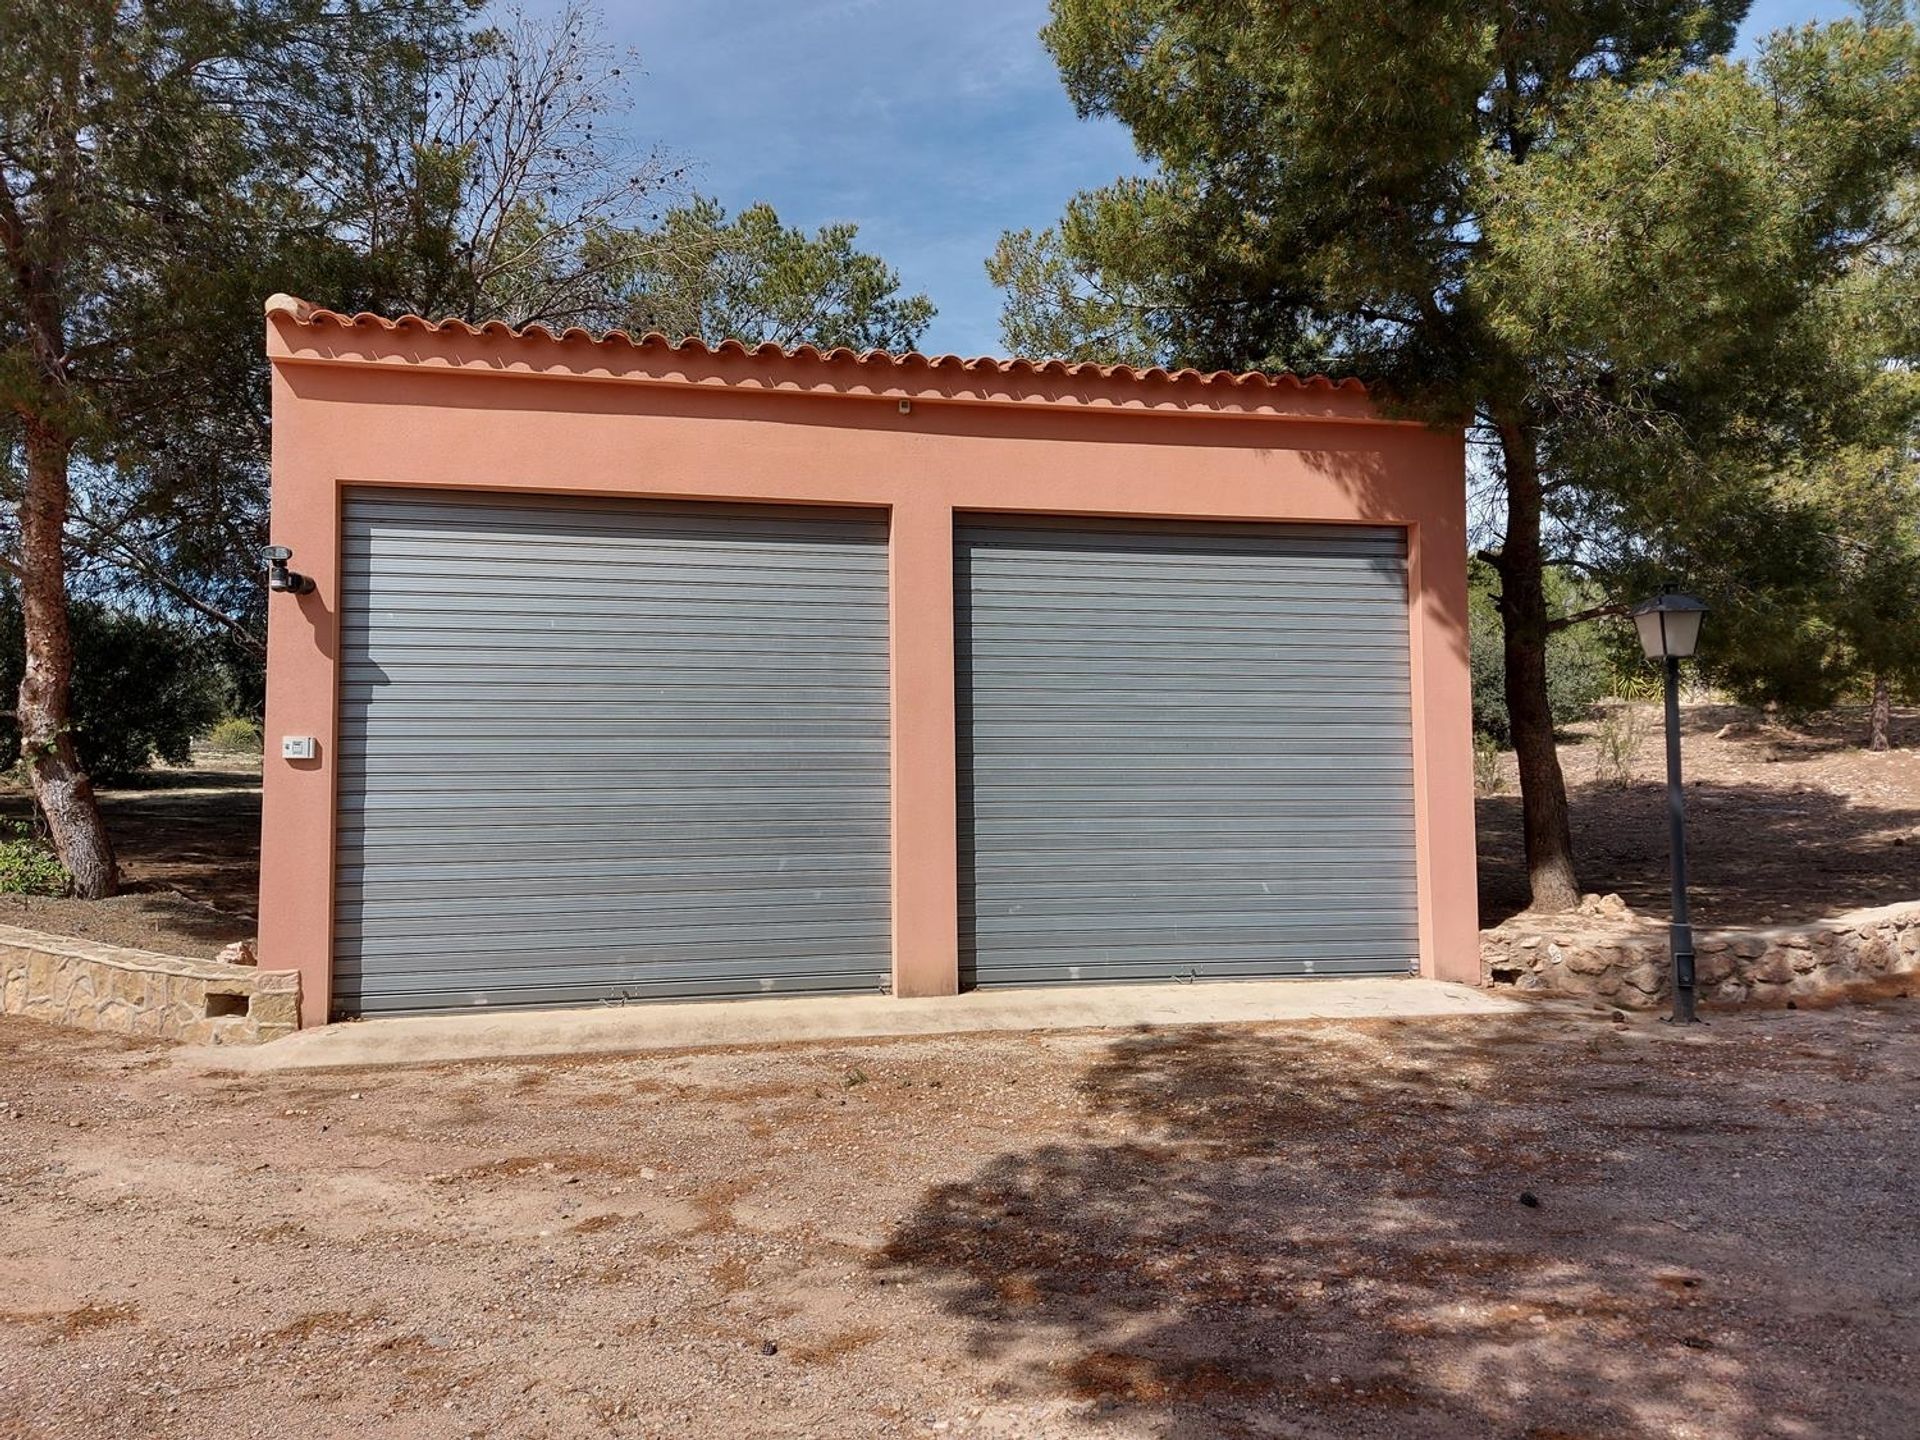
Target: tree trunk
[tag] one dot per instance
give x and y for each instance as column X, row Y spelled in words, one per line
column 1880, row 714
column 46, row 738
column 1523, row 616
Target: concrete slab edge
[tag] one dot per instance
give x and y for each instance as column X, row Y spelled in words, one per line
column 523, row 1035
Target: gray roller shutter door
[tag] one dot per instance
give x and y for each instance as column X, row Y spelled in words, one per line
column 1185, row 751
column 601, row 750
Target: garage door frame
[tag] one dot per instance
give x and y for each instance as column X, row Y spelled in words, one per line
column 1136, row 698
column 428, row 589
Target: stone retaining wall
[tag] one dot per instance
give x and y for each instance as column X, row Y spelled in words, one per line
column 141, row 992
column 1605, row 950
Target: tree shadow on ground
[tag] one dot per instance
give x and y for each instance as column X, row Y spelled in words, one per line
column 1757, row 854
column 202, row 842
column 1320, row 1231
column 236, row 775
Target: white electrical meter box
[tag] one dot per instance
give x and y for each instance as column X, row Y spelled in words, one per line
column 297, row 747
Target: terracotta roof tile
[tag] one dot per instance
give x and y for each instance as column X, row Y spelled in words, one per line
column 867, row 361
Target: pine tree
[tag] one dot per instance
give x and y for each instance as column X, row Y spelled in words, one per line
column 1619, row 258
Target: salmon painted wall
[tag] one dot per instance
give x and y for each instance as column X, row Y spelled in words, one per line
column 374, row 403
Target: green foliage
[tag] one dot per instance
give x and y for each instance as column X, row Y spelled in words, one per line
column 1583, row 221
column 1488, row 669
column 28, row 865
column 1814, row 577
column 1861, row 623
column 437, row 156
column 1274, row 226
column 1632, row 677
column 1706, row 276
column 1059, row 303
column 144, row 686
column 1578, row 668
column 167, row 166
column 461, row 155
column 121, row 161
column 752, row 278
column 235, row 736
column 1576, row 674
column 1649, row 280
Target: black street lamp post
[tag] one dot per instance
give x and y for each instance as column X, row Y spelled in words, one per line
column 1669, row 629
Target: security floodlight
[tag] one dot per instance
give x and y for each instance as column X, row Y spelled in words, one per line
column 280, row 578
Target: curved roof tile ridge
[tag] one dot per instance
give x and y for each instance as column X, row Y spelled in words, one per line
column 305, row 313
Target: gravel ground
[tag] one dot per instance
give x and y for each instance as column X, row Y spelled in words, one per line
column 1552, row 1226
column 1784, row 823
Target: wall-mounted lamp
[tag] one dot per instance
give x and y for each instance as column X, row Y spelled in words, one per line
column 280, row 578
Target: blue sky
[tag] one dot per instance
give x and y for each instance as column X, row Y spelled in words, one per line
column 932, row 124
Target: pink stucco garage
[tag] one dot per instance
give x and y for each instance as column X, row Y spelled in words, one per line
column 634, row 670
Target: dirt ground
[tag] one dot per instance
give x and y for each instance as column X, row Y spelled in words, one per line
column 1315, row 1230
column 1784, row 823
column 188, row 842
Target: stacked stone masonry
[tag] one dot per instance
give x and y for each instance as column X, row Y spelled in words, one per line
column 1606, row 951
column 141, row 992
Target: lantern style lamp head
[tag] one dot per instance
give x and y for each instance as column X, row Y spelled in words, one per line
column 1669, row 626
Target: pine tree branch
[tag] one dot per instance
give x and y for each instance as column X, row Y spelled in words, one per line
column 1579, row 617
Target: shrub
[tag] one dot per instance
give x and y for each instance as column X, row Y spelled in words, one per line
column 1578, row 667
column 28, row 865
column 235, row 736
column 1633, row 677
column 143, row 687
column 1616, row 741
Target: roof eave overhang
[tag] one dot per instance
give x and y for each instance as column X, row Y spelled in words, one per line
column 301, row 335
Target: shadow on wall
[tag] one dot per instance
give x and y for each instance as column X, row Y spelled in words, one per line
column 1756, row 854
column 1323, row 1222
column 1363, row 473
